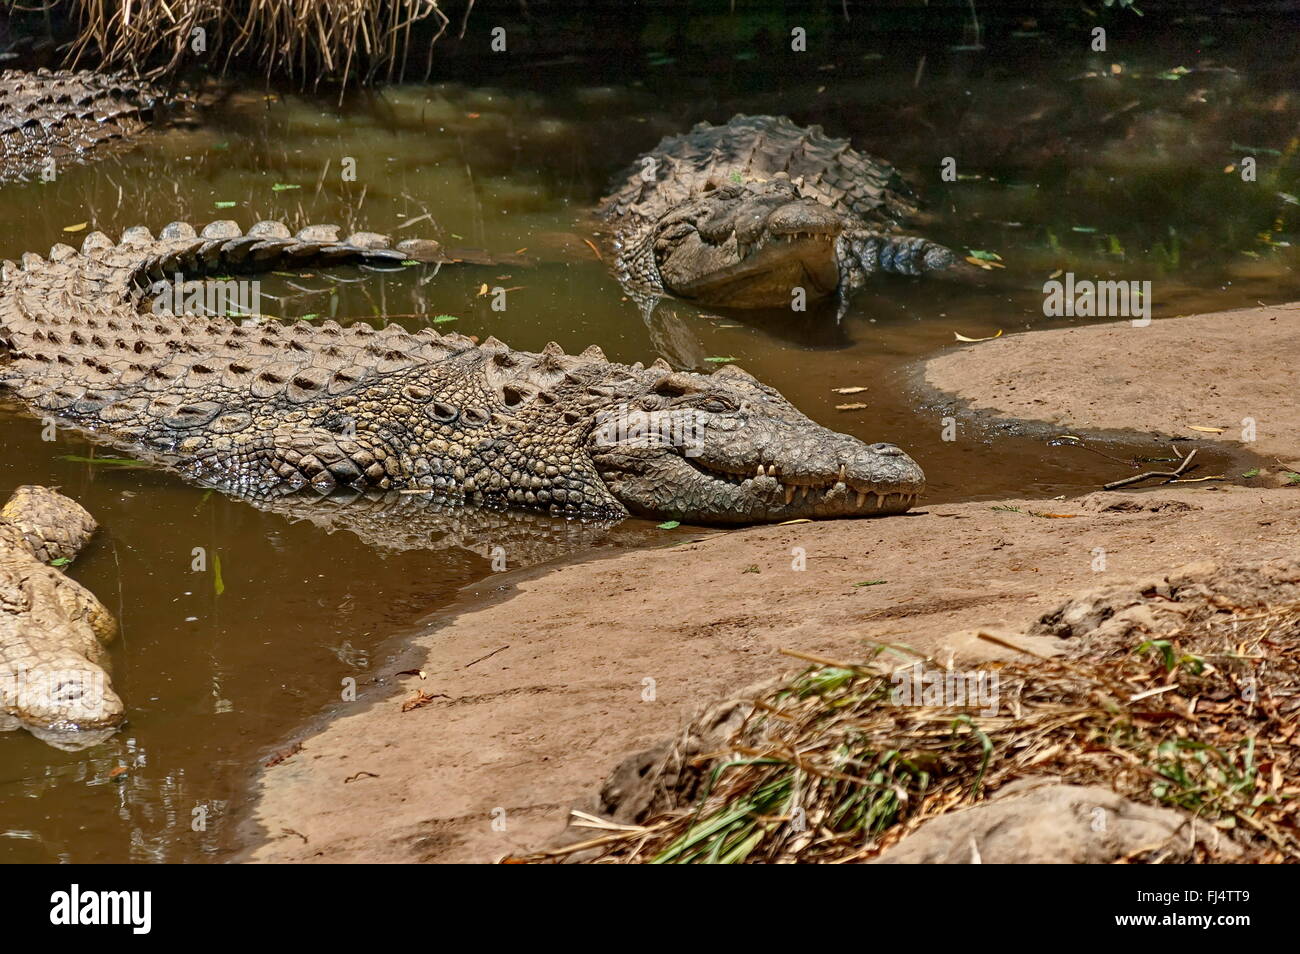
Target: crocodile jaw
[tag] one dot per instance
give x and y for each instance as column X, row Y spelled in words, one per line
column 764, row 275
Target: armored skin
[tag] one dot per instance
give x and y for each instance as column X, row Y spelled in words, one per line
column 52, row 629
column 68, row 116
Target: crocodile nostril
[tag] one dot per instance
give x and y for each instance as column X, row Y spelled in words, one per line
column 886, row 450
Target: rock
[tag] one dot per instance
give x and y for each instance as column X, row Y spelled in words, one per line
column 1057, row 824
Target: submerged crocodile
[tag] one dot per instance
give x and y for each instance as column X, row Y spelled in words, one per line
column 68, row 116
column 52, row 629
column 740, row 215
column 263, row 408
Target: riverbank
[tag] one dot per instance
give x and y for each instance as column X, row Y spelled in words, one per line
column 539, row 683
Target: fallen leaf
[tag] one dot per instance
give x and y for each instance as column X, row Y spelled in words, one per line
column 75, row 228
column 422, row 699
column 961, row 337
column 482, row 290
column 670, row 525
column 1206, row 430
column 119, row 770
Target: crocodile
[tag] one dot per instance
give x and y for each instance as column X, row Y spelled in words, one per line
column 742, row 214
column 52, row 629
column 69, row 116
column 263, row 408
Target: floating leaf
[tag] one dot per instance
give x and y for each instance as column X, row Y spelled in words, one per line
column 104, row 461
column 985, row 256
column 1262, row 150
column 720, row 360
column 408, row 262
column 1177, row 73
column 75, row 228
column 308, row 317
column 284, row 187
column 1086, row 229
column 855, row 406
column 670, row 525
column 60, row 561
column 852, row 390
column 961, row 337
column 443, row 319
column 225, row 204
column 218, row 584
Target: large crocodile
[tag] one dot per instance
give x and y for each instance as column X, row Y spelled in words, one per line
column 52, row 629
column 740, row 215
column 265, row 408
column 68, row 116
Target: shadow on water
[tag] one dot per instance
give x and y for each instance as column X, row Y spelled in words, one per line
column 1109, row 168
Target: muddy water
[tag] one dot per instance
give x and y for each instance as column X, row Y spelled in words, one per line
column 1063, row 163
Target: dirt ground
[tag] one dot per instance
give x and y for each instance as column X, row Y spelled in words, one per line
column 540, row 682
column 1219, row 370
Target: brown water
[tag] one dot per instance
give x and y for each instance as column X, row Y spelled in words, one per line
column 1114, row 174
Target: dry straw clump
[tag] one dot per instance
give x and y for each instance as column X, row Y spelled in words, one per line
column 299, row 39
column 827, row 768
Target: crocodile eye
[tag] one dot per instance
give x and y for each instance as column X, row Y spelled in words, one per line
column 717, row 405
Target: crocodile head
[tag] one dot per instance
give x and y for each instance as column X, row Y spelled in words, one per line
column 741, row 246
column 750, row 245
column 723, row 448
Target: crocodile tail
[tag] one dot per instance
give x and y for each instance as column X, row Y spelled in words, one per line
column 224, row 248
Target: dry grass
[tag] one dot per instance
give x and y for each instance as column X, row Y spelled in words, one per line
column 828, row 769
column 304, row 40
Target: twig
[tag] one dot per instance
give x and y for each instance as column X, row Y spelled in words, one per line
column 1153, row 474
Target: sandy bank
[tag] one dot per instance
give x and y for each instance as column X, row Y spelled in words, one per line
column 535, row 727
column 1218, row 370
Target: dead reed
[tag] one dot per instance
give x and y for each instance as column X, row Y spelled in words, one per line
column 827, row 768
column 306, row 41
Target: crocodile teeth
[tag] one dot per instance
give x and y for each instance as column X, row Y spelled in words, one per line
column 843, row 471
column 803, row 491
column 789, row 494
column 760, row 470
column 880, row 500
